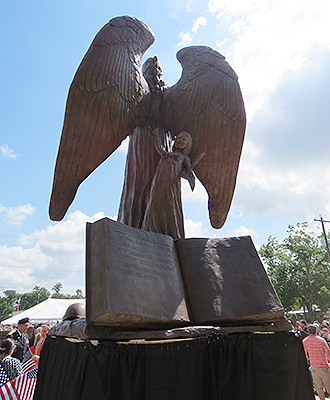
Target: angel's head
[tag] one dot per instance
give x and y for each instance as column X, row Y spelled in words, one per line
column 183, row 142
column 153, row 74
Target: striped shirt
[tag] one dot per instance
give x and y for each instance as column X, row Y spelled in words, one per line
column 317, row 350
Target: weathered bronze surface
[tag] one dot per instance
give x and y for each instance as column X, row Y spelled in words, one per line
column 76, row 310
column 78, row 329
column 111, row 98
column 226, row 282
column 139, row 279
column 132, row 278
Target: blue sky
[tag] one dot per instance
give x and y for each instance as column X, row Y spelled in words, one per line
column 279, row 49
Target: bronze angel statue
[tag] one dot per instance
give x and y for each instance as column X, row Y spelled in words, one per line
column 112, row 97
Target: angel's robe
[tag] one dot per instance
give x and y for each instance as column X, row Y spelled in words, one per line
column 164, row 208
column 141, row 164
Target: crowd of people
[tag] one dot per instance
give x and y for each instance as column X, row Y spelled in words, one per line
column 20, row 351
column 316, row 343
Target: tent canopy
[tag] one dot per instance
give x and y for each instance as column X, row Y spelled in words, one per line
column 51, row 310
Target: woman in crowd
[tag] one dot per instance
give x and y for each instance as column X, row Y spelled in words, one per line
column 325, row 334
column 11, row 365
column 36, row 349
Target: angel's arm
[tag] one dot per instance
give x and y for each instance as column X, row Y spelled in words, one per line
column 158, row 145
column 187, row 173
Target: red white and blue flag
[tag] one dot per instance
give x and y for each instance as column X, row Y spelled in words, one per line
column 21, row 388
column 3, row 376
column 16, row 306
column 28, row 365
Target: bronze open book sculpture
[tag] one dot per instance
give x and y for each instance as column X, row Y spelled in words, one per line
column 111, row 98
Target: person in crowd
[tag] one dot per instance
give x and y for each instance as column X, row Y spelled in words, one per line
column 38, row 335
column 293, row 329
column 20, row 338
column 318, row 352
column 31, row 334
column 302, row 329
column 325, row 333
column 11, row 365
column 36, row 349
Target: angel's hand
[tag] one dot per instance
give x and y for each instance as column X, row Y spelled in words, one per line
column 189, row 175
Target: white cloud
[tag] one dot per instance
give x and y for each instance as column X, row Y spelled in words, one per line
column 200, row 21
column 16, row 215
column 234, row 7
column 17, row 265
column 281, row 54
column 244, row 231
column 199, row 194
column 193, row 229
column 188, row 5
column 50, row 255
column 187, row 37
column 270, row 39
column 7, row 152
column 285, row 162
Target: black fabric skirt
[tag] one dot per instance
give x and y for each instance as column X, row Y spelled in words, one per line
column 242, row 366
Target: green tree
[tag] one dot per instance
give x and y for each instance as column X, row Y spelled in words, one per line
column 12, row 296
column 57, row 287
column 30, row 299
column 299, row 269
column 78, row 294
column 6, row 308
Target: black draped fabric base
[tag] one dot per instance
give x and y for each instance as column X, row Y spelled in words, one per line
column 242, row 366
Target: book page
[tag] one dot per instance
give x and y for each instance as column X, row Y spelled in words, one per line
column 226, row 282
column 141, row 279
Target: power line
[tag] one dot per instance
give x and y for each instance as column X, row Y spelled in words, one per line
column 45, row 248
column 38, row 269
column 324, row 234
column 27, row 236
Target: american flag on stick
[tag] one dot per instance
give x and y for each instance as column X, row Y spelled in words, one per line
column 28, row 365
column 21, row 388
column 3, row 376
column 16, row 306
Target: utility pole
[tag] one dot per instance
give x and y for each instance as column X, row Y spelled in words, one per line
column 324, row 234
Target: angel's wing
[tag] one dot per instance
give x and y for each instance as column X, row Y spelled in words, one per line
column 207, row 102
column 102, row 106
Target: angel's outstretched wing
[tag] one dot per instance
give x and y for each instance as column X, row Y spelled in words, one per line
column 207, row 102
column 102, row 106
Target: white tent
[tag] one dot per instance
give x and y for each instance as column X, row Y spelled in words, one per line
column 50, row 310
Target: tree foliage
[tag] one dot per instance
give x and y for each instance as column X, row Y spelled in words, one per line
column 299, row 269
column 6, row 308
column 30, row 299
column 57, row 295
column 57, row 287
column 78, row 294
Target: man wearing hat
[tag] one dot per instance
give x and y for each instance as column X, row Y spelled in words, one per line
column 21, row 339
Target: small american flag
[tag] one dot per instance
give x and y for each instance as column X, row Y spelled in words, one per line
column 8, row 392
column 16, row 306
column 21, row 388
column 3, row 376
column 28, row 365
column 33, row 373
